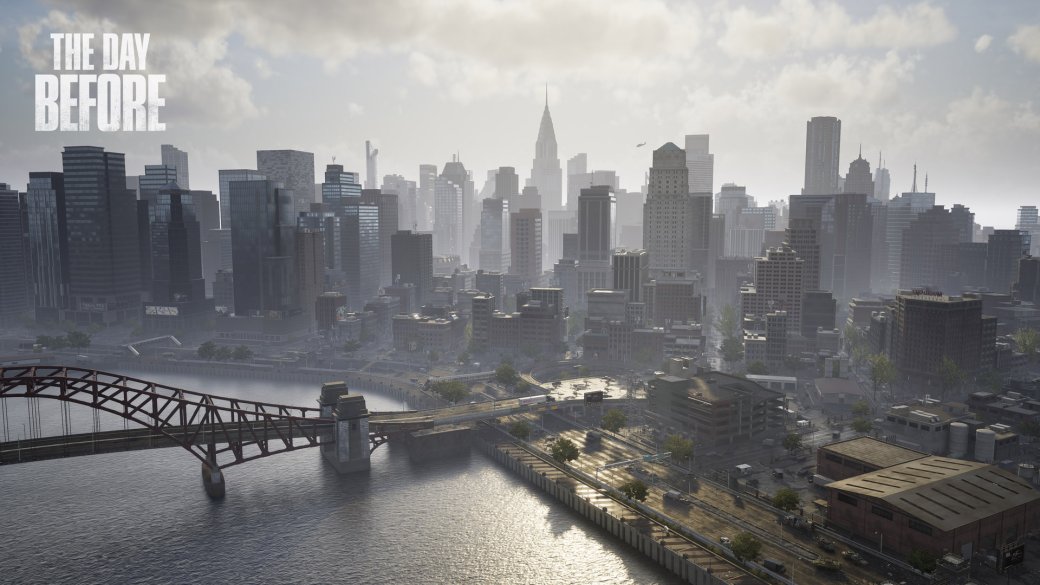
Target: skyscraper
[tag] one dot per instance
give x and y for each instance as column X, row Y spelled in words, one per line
column 388, row 220
column 577, row 169
column 859, row 179
column 48, row 244
column 494, row 235
column 668, row 214
column 371, row 172
column 882, row 182
column 1028, row 220
column 101, row 217
column 424, row 205
column 923, row 243
column 447, row 223
column 1003, row 252
column 407, row 204
column 779, row 286
column 224, row 179
column 822, row 152
column 294, row 169
column 14, row 269
column 359, row 236
column 507, row 184
column 525, row 240
column 413, row 262
column 546, row 173
column 901, row 210
column 263, row 255
column 631, row 273
column 596, row 219
column 700, row 163
column 178, row 159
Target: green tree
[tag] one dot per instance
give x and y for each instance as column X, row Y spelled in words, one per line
column 950, row 376
column 613, row 420
column 77, row 339
column 862, row 425
column 732, row 349
column 575, row 322
column 521, row 429
column 452, row 391
column 853, row 337
column 635, row 489
column 680, row 447
column 222, row 353
column 861, row 408
column 786, row 499
column 727, row 322
column 564, row 450
column 758, row 369
column 921, row 560
column 1028, row 342
column 882, row 371
column 793, row 442
column 351, row 346
column 207, row 351
column 242, row 353
column 506, row 374
column 745, row 546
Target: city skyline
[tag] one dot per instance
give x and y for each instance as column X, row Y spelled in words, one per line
column 938, row 84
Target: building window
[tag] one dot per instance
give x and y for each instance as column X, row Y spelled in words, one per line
column 920, row 527
column 842, row 497
column 886, row 514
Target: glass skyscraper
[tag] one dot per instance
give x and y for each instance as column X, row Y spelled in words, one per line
column 48, row 244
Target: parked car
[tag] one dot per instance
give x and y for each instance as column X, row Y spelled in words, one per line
column 725, row 541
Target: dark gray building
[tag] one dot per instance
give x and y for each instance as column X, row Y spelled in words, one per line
column 631, row 273
column 14, row 269
column 294, row 169
column 388, row 219
column 262, row 238
column 101, row 217
column 48, row 253
column 1004, row 249
column 359, row 237
column 596, row 217
column 225, row 177
column 413, row 262
column 822, row 152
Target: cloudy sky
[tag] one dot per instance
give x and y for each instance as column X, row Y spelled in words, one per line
column 951, row 85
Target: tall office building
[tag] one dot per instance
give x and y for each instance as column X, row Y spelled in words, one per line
column 779, row 286
column 294, row 169
column 803, row 236
column 507, row 184
column 822, row 153
column 900, row 211
column 101, row 217
column 731, row 200
column 558, row 223
column 577, row 171
column 207, row 212
column 224, row 179
column 371, row 172
column 546, row 173
column 859, row 179
column 424, row 207
column 263, row 254
column 525, row 240
column 670, row 217
column 359, row 236
column 407, row 203
column 700, row 163
column 388, row 220
column 309, row 266
column 923, row 242
column 494, row 235
column 1028, row 220
column 177, row 159
column 631, row 273
column 882, row 182
column 156, row 177
column 447, row 223
column 596, row 219
column 48, row 244
column 413, row 262
column 928, row 327
column 1003, row 252
column 846, row 226
column 14, row 269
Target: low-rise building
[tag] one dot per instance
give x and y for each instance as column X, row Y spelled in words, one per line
column 716, row 408
column 937, row 505
column 444, row 333
column 837, row 395
column 852, row 457
column 925, row 427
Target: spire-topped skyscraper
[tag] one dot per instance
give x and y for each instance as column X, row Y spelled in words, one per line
column 546, row 173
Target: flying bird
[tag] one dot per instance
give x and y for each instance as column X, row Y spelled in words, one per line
column 640, row 144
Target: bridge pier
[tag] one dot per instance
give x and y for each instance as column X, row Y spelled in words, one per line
column 346, row 448
column 213, row 481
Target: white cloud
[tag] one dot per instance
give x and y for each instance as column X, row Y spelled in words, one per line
column 983, row 43
column 263, row 68
column 795, row 26
column 354, row 109
column 199, row 88
column 1026, row 42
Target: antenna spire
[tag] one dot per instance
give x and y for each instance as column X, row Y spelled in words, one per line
column 546, row 95
column 861, row 150
column 914, row 188
column 879, row 159
column 926, row 182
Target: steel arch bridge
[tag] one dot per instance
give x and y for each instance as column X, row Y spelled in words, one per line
column 219, row 431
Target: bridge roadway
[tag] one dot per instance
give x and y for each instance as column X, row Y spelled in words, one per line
column 381, row 424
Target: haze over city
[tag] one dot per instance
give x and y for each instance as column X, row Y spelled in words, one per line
column 948, row 85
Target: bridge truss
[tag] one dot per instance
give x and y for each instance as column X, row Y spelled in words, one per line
column 219, row 431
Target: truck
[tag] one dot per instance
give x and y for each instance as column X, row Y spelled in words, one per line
column 527, row 400
column 675, row 496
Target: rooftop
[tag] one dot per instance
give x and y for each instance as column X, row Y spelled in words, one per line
column 945, row 493
column 874, row 452
column 838, row 386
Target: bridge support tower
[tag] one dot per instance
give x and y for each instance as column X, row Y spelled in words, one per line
column 348, row 449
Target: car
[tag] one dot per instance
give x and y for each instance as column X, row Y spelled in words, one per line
column 825, row 544
column 725, row 541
